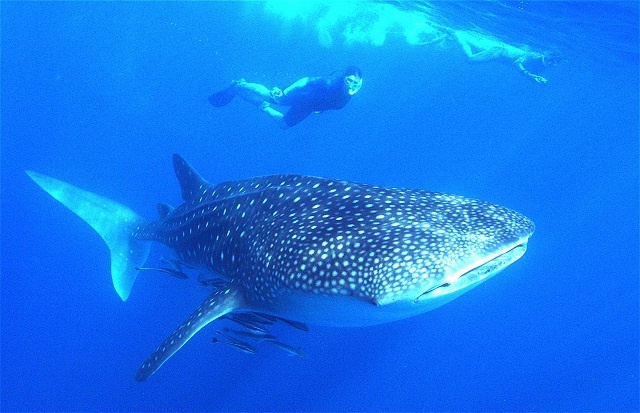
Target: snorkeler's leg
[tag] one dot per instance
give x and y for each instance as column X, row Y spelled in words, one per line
column 486, row 49
column 254, row 93
column 251, row 92
column 492, row 53
column 435, row 39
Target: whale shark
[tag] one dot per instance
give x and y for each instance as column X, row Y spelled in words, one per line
column 306, row 249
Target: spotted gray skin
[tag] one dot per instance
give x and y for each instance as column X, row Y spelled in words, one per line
column 329, row 252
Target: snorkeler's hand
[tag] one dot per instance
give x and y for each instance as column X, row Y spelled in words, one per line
column 539, row 79
column 275, row 93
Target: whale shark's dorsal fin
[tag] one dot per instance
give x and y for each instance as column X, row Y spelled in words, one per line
column 164, row 210
column 191, row 182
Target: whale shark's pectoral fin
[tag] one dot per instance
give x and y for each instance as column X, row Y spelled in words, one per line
column 219, row 303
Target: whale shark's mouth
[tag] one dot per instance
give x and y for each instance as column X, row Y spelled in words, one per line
column 476, row 273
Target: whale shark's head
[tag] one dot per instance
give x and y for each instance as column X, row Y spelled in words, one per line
column 451, row 252
column 447, row 280
column 405, row 252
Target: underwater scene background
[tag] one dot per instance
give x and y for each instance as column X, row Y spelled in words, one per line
column 101, row 94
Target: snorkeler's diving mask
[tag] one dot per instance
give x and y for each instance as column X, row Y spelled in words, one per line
column 353, row 83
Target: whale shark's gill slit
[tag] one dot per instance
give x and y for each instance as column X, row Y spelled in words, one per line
column 430, row 290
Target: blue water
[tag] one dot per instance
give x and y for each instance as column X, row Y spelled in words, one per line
column 100, row 94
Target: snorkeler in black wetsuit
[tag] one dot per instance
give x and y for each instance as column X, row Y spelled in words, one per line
column 307, row 95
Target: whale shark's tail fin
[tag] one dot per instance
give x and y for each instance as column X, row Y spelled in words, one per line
column 113, row 221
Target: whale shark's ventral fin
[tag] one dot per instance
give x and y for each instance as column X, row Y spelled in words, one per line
column 219, row 303
column 114, row 222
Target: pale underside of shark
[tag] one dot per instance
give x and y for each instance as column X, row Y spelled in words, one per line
column 307, row 249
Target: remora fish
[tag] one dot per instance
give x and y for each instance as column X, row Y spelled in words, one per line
column 315, row 250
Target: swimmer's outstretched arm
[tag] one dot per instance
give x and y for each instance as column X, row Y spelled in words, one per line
column 297, row 85
column 536, row 78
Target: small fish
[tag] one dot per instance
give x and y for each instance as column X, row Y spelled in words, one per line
column 177, row 274
column 293, row 351
column 217, row 283
column 244, row 347
column 250, row 334
column 269, row 319
column 234, row 340
column 176, row 264
column 246, row 324
column 295, row 324
column 255, row 318
column 273, row 319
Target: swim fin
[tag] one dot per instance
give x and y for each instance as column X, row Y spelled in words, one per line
column 223, row 97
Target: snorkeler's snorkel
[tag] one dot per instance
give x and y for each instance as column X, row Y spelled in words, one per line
column 353, row 84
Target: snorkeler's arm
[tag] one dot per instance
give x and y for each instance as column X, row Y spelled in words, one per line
column 299, row 91
column 519, row 63
column 297, row 85
column 273, row 114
